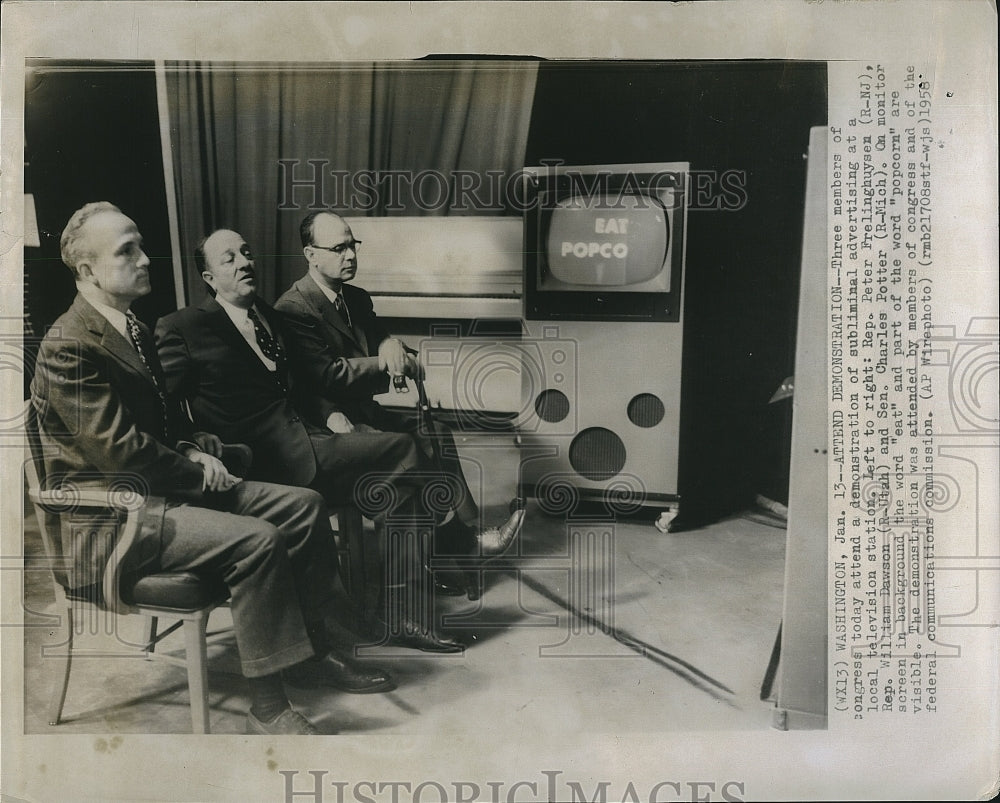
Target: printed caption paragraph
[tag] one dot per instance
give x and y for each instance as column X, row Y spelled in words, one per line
column 882, row 445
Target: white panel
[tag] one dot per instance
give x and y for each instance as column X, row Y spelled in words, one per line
column 439, row 256
column 600, row 369
column 802, row 687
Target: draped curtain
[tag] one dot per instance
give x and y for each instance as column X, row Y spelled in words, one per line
column 255, row 147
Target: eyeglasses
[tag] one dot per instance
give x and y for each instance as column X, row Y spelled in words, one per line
column 339, row 249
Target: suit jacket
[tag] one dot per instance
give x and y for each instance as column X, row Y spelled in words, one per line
column 230, row 392
column 102, row 420
column 336, row 364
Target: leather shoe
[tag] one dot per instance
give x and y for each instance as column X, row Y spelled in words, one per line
column 340, row 673
column 443, row 585
column 446, row 589
column 494, row 541
column 287, row 723
column 473, row 585
column 409, row 634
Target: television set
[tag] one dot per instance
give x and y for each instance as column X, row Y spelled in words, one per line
column 604, row 242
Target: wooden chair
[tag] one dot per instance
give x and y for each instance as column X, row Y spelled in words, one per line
column 184, row 597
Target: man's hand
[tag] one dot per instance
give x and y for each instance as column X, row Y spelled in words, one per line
column 208, row 443
column 392, row 356
column 338, row 422
column 217, row 478
column 413, row 368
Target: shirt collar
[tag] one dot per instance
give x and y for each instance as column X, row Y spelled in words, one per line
column 329, row 292
column 237, row 314
column 115, row 317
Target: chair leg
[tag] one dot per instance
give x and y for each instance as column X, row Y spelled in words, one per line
column 65, row 660
column 197, row 669
column 149, row 634
column 352, row 530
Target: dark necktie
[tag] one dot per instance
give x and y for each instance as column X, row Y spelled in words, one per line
column 269, row 345
column 341, row 306
column 140, row 343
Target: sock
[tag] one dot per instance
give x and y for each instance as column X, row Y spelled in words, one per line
column 456, row 538
column 268, row 697
column 316, row 631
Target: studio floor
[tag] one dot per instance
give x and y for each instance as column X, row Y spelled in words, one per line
column 595, row 626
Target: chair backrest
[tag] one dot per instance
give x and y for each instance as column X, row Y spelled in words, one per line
column 52, row 504
column 48, row 520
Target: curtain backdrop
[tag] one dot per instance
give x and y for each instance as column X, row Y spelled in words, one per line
column 255, row 147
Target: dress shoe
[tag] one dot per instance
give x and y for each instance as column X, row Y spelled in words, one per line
column 444, row 583
column 287, row 723
column 340, row 673
column 494, row 541
column 473, row 584
column 410, row 634
column 448, row 589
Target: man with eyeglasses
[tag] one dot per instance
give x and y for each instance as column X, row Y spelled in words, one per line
column 228, row 357
column 104, row 415
column 345, row 356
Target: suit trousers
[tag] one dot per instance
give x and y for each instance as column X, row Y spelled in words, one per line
column 458, row 497
column 273, row 546
column 387, row 477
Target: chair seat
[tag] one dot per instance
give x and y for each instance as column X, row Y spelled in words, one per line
column 176, row 591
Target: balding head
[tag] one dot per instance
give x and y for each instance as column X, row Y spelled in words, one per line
column 103, row 248
column 73, row 245
column 308, row 225
column 227, row 266
column 330, row 248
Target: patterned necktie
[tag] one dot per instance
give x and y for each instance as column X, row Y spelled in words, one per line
column 270, row 346
column 139, row 342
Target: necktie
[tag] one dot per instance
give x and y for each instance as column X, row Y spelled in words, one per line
column 270, row 346
column 341, row 306
column 139, row 342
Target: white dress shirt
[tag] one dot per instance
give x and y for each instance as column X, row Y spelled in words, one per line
column 118, row 320
column 244, row 326
column 333, row 295
column 115, row 318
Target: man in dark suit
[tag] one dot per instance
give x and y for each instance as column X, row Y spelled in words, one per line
column 227, row 358
column 98, row 392
column 342, row 352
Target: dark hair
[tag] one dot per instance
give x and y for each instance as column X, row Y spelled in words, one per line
column 308, row 225
column 201, row 263
column 199, row 254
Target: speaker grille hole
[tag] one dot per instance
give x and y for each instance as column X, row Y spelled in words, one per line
column 552, row 406
column 645, row 410
column 597, row 454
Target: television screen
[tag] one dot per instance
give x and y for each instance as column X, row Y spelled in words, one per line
column 609, row 243
column 604, row 242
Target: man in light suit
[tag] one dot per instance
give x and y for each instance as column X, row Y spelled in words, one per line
column 345, row 356
column 227, row 359
column 99, row 394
